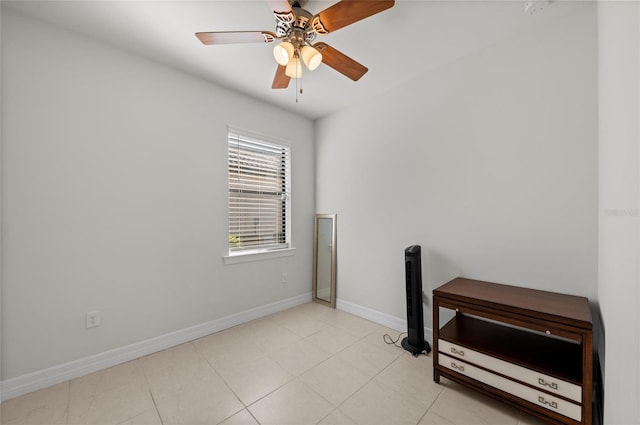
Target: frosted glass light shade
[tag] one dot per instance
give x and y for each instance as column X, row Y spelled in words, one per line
column 283, row 52
column 294, row 68
column 311, row 57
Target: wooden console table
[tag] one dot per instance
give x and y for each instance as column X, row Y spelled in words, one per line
column 529, row 348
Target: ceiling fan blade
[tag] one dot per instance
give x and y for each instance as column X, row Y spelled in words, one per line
column 341, row 62
column 279, row 6
column 234, row 37
column 346, row 12
column 281, row 80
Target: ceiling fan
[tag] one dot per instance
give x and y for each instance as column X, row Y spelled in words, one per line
column 296, row 29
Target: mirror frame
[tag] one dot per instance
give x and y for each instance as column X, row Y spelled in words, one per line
column 333, row 217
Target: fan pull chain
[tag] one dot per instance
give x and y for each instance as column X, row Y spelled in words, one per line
column 298, row 88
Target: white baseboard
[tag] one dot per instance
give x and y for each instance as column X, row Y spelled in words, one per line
column 383, row 319
column 24, row 384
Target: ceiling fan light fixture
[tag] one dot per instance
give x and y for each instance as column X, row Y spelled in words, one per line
column 311, row 57
column 294, row 68
column 283, row 52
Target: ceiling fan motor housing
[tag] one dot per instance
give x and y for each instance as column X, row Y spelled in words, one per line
column 294, row 26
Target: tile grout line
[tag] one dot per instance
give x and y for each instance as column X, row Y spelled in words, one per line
column 431, row 405
column 213, row 369
column 361, row 387
column 68, row 400
column 332, row 355
column 153, row 399
column 246, row 406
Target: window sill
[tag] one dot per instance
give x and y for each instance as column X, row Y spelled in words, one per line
column 247, row 257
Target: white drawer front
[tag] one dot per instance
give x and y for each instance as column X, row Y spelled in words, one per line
column 532, row 395
column 531, row 377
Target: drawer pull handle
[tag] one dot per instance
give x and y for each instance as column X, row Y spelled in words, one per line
column 548, row 403
column 551, row 385
column 455, row 366
column 458, row 352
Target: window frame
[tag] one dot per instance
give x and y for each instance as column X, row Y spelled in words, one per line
column 235, row 137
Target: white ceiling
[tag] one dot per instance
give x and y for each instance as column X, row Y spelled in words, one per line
column 396, row 45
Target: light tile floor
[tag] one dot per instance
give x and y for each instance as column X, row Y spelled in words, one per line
column 306, row 365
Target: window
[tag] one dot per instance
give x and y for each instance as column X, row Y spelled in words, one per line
column 259, row 194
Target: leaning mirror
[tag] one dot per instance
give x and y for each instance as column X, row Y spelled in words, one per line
column 324, row 259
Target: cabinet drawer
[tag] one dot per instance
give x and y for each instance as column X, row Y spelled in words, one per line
column 563, row 407
column 531, row 377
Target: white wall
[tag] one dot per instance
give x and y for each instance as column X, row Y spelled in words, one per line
column 489, row 163
column 1, row 209
column 619, row 257
column 114, row 199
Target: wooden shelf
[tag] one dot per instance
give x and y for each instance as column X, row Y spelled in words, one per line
column 555, row 357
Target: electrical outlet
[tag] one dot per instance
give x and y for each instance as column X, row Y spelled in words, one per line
column 284, row 278
column 93, row 319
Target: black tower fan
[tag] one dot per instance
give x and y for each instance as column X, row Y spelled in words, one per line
column 414, row 343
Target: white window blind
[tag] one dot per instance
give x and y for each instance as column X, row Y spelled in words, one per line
column 259, row 193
